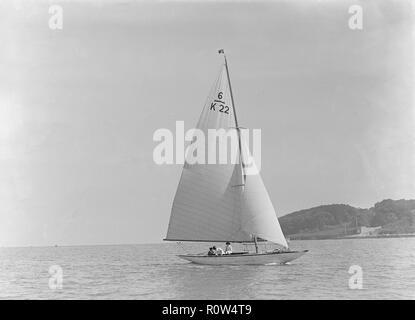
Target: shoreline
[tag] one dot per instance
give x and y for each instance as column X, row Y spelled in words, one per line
column 408, row 235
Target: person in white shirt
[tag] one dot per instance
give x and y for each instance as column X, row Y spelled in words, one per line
column 228, row 248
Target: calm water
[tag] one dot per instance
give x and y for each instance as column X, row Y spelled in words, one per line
column 154, row 272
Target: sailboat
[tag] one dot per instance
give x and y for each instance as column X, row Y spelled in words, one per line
column 221, row 202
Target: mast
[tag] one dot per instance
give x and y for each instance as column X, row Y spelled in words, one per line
column 222, row 51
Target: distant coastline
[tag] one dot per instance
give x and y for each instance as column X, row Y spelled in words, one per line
column 386, row 219
column 407, row 235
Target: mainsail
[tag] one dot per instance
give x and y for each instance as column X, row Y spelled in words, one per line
column 218, row 202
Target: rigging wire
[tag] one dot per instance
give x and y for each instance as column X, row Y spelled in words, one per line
column 180, row 244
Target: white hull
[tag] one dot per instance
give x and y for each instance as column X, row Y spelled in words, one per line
column 245, row 259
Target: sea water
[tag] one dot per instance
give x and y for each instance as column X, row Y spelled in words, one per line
column 332, row 269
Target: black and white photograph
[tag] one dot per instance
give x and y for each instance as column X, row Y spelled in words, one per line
column 179, row 150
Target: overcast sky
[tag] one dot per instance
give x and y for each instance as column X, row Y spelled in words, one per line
column 79, row 106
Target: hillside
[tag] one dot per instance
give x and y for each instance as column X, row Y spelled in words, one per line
column 337, row 220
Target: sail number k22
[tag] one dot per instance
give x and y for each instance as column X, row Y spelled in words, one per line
column 219, row 104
